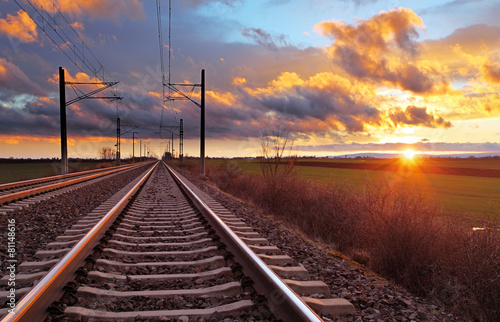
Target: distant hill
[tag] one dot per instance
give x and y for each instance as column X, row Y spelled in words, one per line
column 396, row 155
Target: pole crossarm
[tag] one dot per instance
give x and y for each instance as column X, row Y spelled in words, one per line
column 182, row 96
column 184, row 84
column 170, row 128
column 129, row 130
column 89, row 95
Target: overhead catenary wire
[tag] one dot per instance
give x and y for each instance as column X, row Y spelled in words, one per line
column 73, row 47
column 53, row 30
column 164, row 82
column 50, row 37
column 160, row 45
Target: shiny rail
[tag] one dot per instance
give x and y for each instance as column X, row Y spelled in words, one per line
column 24, row 183
column 282, row 300
column 288, row 304
column 34, row 305
column 34, row 191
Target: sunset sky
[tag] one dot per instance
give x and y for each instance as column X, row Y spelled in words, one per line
column 345, row 76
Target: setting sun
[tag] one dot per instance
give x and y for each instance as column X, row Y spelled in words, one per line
column 409, row 154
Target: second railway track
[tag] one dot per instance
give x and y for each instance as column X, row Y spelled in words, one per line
column 17, row 191
column 171, row 253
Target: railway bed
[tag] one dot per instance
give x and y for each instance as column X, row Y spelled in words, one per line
column 22, row 194
column 167, row 253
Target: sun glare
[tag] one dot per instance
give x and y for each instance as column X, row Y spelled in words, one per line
column 409, row 154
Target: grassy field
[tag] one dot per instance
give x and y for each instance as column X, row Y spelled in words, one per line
column 387, row 227
column 18, row 171
column 468, row 195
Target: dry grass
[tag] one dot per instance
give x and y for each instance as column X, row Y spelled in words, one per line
column 395, row 230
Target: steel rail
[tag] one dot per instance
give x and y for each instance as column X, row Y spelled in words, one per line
column 283, row 301
column 30, row 192
column 33, row 306
column 23, row 183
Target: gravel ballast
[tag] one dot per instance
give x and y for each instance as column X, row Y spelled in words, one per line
column 40, row 224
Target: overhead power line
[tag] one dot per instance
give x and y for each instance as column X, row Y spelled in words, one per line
column 73, row 47
column 164, row 81
column 62, row 33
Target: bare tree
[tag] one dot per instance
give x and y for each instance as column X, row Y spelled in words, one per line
column 107, row 153
column 277, row 147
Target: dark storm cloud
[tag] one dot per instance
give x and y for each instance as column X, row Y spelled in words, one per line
column 32, row 120
column 322, row 105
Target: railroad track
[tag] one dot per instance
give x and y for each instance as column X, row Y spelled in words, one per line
column 160, row 248
column 20, row 194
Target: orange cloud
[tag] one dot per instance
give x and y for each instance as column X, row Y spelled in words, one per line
column 77, row 25
column 155, row 94
column 23, row 139
column 224, row 98
column 382, row 50
column 491, row 71
column 387, row 29
column 417, row 116
column 20, row 26
column 239, row 81
column 110, row 9
column 483, row 64
column 80, row 77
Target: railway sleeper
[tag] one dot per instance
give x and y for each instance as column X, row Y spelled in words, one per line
column 165, row 238
column 107, row 277
column 210, row 250
column 233, row 309
column 214, row 261
column 296, row 277
column 95, row 294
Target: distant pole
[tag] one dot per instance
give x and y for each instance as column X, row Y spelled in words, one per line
column 172, row 155
column 133, row 147
column 140, row 150
column 118, row 140
column 202, row 126
column 181, row 142
column 64, row 135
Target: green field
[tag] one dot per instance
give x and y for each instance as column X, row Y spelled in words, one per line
column 474, row 196
column 470, row 196
column 465, row 194
column 18, row 171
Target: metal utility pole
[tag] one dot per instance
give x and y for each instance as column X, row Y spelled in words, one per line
column 181, row 142
column 63, row 104
column 202, row 125
column 174, row 93
column 64, row 133
column 179, row 95
column 133, row 146
column 118, row 140
column 172, row 146
column 140, row 150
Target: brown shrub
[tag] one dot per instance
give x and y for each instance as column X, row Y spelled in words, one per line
column 395, row 229
column 192, row 168
column 401, row 234
column 470, row 274
column 225, row 174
